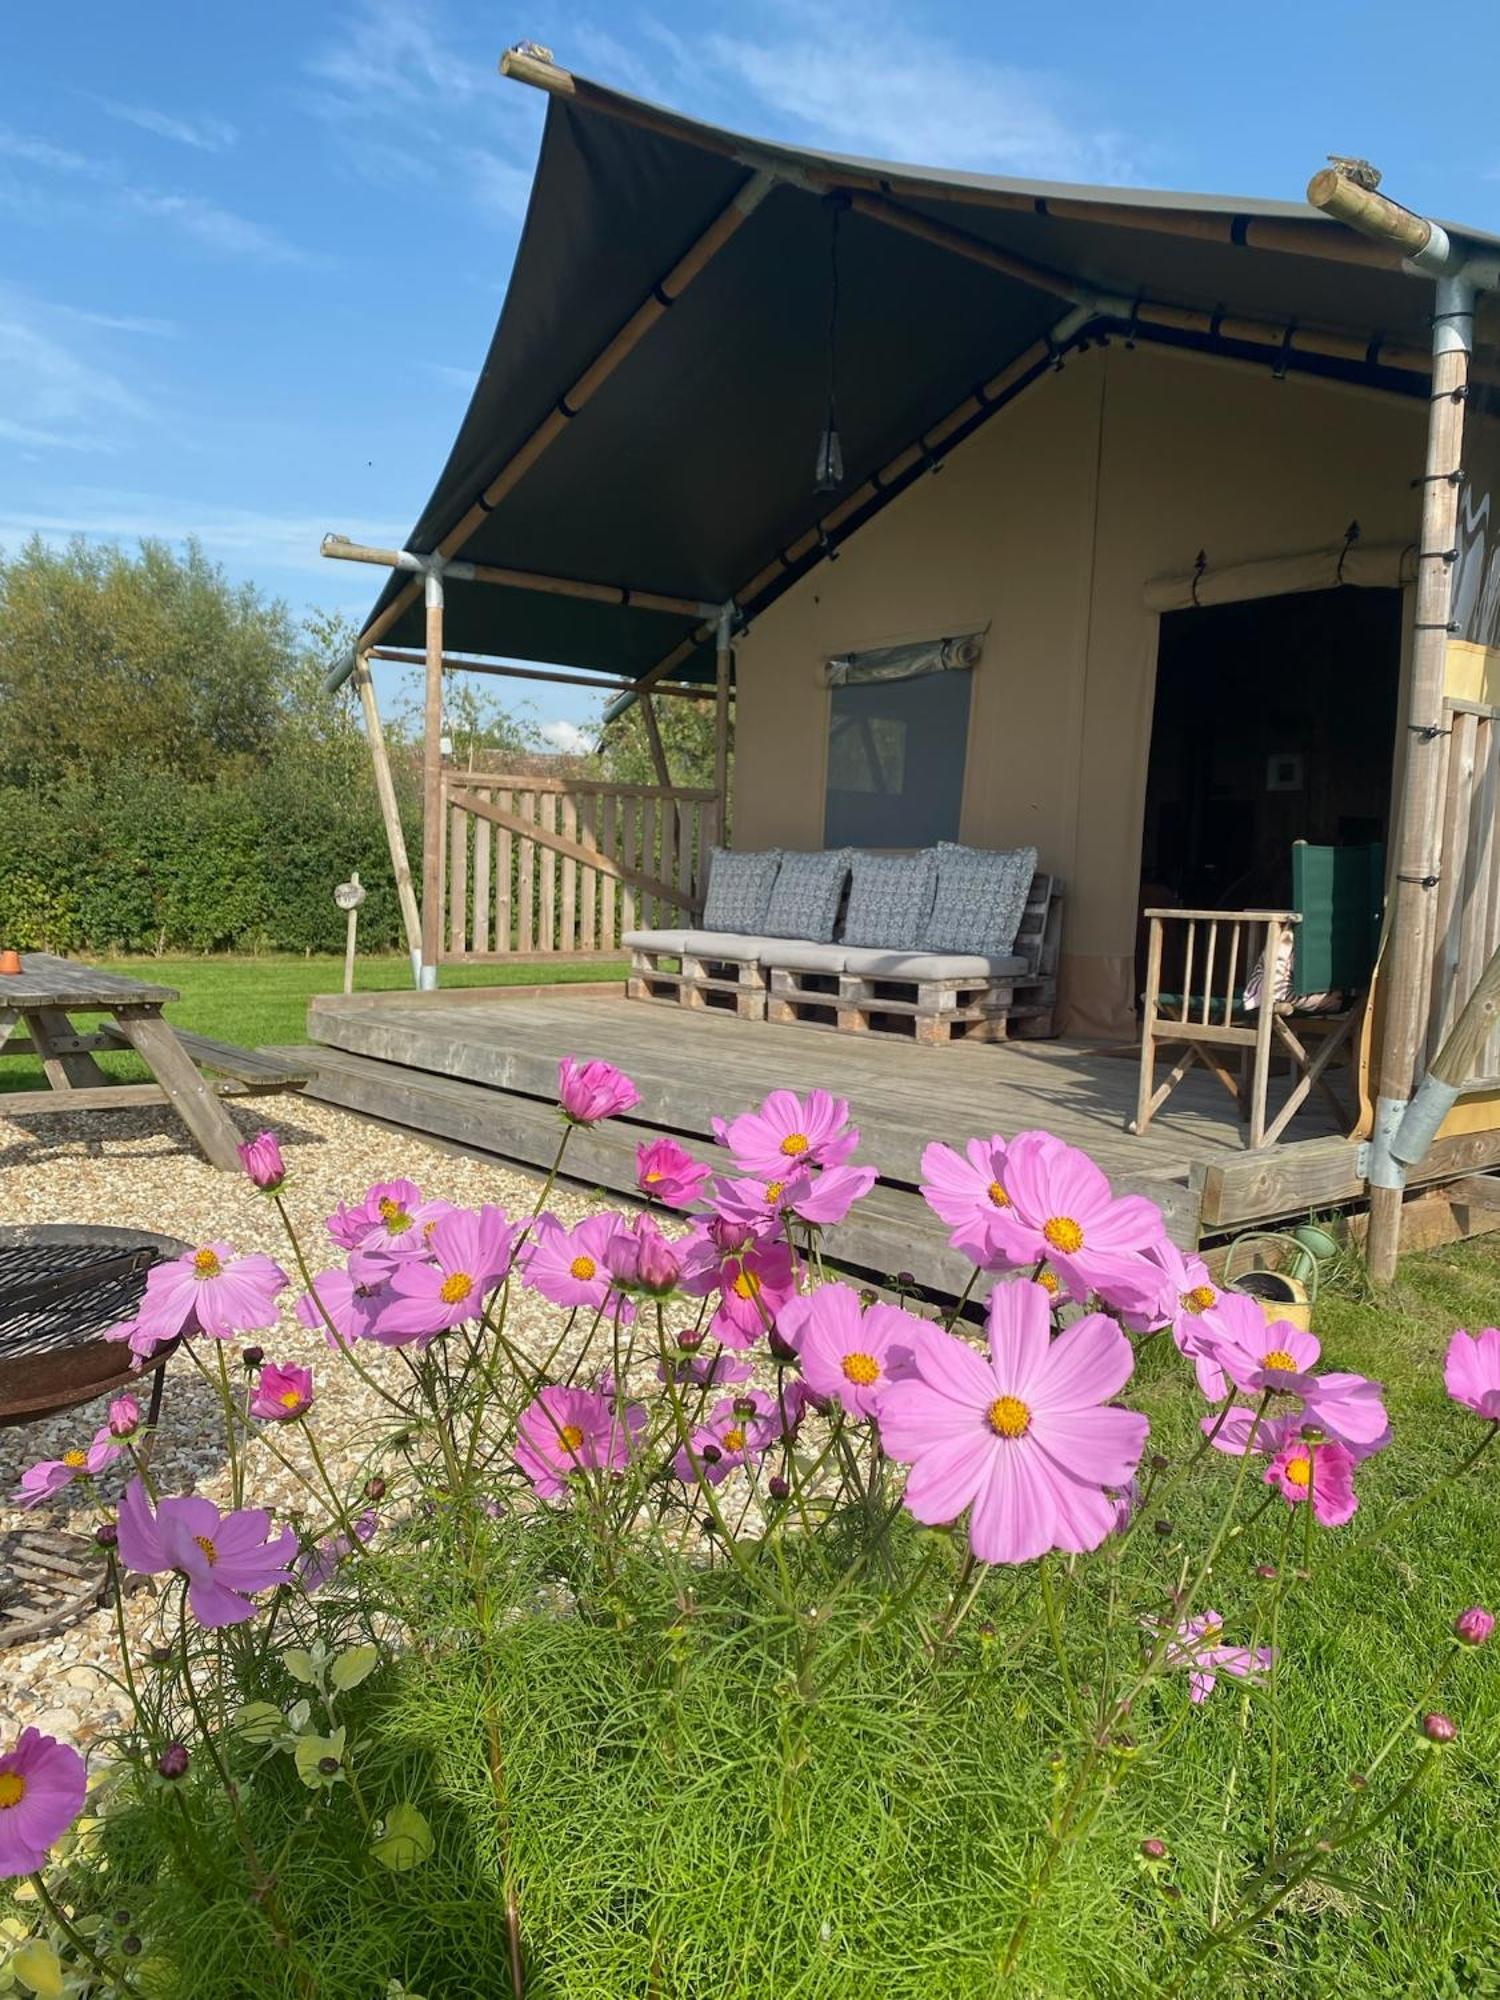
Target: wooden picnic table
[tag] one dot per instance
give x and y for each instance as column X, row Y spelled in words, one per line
column 44, row 996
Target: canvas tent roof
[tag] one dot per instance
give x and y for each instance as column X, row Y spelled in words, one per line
column 689, row 471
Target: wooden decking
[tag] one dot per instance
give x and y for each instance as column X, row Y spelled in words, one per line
column 480, row 1067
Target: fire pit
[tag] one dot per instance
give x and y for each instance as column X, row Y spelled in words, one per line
column 61, row 1286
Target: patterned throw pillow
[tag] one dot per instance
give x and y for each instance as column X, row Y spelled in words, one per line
column 890, row 899
column 805, row 901
column 739, row 887
column 980, row 900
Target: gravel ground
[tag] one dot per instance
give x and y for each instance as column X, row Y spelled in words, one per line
column 135, row 1168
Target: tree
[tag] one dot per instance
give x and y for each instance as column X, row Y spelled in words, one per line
column 153, row 661
column 687, row 734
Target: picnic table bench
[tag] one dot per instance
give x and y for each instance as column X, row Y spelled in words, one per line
column 48, row 991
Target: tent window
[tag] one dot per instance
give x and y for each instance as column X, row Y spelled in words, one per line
column 896, row 752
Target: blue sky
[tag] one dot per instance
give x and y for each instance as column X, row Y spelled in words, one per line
column 251, row 257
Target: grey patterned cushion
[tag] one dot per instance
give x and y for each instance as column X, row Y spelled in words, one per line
column 890, row 899
column 981, row 897
column 739, row 888
column 805, row 901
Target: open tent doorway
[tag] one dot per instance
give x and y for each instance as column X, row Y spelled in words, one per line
column 1274, row 721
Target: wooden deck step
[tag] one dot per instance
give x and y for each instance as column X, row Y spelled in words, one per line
column 891, row 1229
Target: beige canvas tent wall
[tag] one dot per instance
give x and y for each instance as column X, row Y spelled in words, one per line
column 1047, row 527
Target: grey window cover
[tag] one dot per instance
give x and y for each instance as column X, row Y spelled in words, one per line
column 905, row 663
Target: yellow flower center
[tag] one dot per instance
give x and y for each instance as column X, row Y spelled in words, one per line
column 582, row 1268
column 1008, row 1417
column 1063, row 1233
column 206, row 1264
column 747, row 1285
column 998, row 1197
column 12, row 1789
column 394, row 1216
column 1212, row 1632
column 75, row 1458
column 774, row 1190
column 1049, row 1282
column 795, row 1144
column 210, row 1552
column 1199, row 1299
column 1278, row 1358
column 570, row 1437
column 654, row 1175
column 734, row 1440
column 1299, row 1471
column 862, row 1369
column 290, row 1399
column 455, row 1288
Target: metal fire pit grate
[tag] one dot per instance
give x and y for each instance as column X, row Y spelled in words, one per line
column 61, row 1287
column 48, row 1579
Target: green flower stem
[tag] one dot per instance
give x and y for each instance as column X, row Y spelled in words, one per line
column 1273, row 1771
column 226, row 1396
column 1055, row 1633
column 79, row 1942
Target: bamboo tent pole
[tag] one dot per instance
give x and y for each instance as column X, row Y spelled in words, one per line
column 723, row 667
column 1403, row 972
column 505, row 669
column 343, row 550
column 432, row 784
column 390, row 813
column 657, row 303
column 653, row 737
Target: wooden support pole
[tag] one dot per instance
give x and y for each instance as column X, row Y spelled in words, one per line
column 432, row 786
column 724, row 667
column 340, row 549
column 390, row 813
column 1374, row 215
column 1404, row 971
column 653, row 737
column 405, row 657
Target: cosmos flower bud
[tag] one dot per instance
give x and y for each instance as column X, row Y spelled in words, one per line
column 130, row 1945
column 1439, row 1728
column 690, row 1339
column 328, row 1766
column 710, row 1454
column 262, row 1161
column 106, row 1534
column 252, row 1356
column 1474, row 1626
column 1154, row 1850
column 1159, row 1461
column 374, row 1488
column 124, row 1417
column 173, row 1761
column 777, row 1487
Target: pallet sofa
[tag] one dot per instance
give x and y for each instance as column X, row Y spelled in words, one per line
column 948, row 944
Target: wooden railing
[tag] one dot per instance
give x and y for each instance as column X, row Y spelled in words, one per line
column 540, row 865
column 1466, row 921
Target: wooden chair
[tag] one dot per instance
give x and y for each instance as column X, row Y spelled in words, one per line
column 1334, row 932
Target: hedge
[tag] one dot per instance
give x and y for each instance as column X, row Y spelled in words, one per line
column 147, row 863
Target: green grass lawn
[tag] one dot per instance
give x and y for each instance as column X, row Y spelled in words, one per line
column 254, row 1001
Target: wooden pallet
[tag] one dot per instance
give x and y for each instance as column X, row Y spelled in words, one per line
column 725, row 985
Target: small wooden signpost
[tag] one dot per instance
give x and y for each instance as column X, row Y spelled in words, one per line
column 349, row 895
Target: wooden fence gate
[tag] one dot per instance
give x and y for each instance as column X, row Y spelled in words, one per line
column 533, row 866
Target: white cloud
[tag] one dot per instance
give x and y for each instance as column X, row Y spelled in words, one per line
column 207, row 134
column 569, row 738
column 216, row 228
column 53, row 397
column 249, row 538
column 36, row 152
column 394, row 49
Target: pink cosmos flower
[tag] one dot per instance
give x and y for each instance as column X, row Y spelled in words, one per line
column 262, row 1161
column 42, row 1788
column 1061, row 1210
column 664, row 1172
column 315, row 1566
column 390, row 1220
column 567, row 1430
column 1187, row 1292
column 591, row 1091
column 824, row 1197
column 124, row 1417
column 739, row 1428
column 470, row 1253
column 353, row 1308
column 1471, row 1371
column 1196, row 1648
column 640, row 1258
column 967, row 1193
column 788, row 1132
column 849, row 1351
column 753, row 1285
column 282, row 1393
column 1261, row 1356
column 209, row 1291
column 1026, row 1438
column 48, row 1476
column 1326, row 1469
column 704, row 1371
column 568, row 1266
column 224, row 1557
